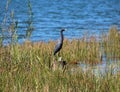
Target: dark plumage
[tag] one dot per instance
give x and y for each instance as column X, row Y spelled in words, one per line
column 60, row 43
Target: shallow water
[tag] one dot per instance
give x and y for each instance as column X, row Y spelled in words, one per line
column 102, row 69
column 48, row 17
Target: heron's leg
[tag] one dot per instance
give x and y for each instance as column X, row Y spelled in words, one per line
column 58, row 54
column 54, row 63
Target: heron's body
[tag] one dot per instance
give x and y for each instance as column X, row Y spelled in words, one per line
column 58, row 47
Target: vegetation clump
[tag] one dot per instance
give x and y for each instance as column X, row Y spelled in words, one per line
column 28, row 66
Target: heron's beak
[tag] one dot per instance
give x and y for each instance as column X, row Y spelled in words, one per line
column 65, row 29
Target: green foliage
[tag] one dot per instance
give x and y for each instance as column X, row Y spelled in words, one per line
column 9, row 28
column 112, row 43
column 28, row 67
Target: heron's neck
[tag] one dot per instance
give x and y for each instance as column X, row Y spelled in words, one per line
column 62, row 37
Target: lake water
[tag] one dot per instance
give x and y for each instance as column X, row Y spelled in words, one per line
column 47, row 17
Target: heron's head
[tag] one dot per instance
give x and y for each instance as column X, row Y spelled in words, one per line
column 62, row 30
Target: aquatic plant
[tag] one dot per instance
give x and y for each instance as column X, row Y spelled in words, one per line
column 28, row 66
column 112, row 43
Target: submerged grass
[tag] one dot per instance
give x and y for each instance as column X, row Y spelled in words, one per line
column 27, row 67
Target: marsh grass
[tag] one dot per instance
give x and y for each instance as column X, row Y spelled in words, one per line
column 27, row 67
column 112, row 43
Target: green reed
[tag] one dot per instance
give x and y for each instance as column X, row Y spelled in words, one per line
column 28, row 67
column 112, row 43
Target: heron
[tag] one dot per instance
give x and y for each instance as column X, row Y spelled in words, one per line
column 58, row 46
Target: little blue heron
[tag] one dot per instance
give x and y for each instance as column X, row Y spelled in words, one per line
column 60, row 43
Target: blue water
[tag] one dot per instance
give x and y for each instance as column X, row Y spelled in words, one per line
column 47, row 17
